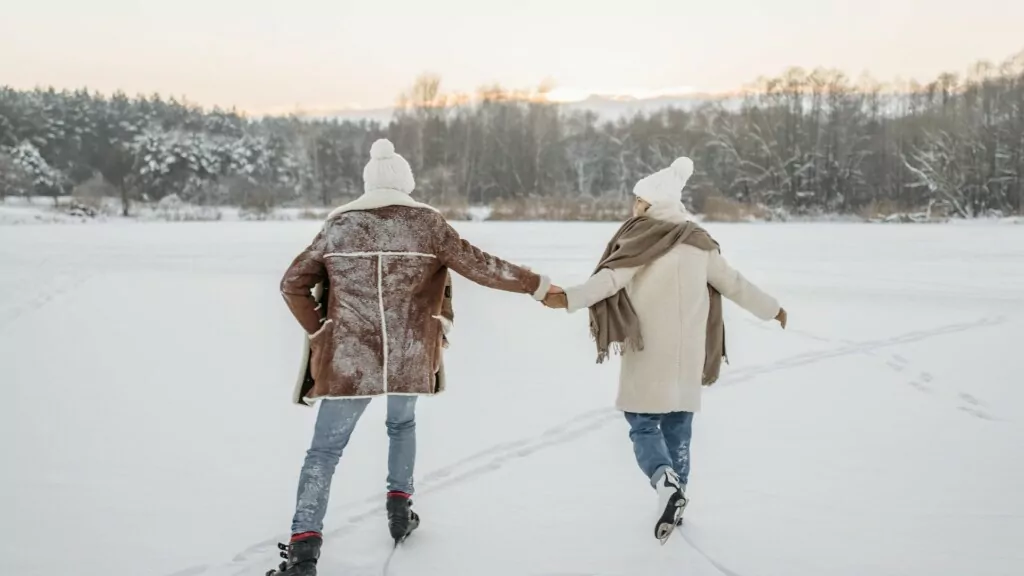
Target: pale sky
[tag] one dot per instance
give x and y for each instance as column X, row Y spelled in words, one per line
column 329, row 54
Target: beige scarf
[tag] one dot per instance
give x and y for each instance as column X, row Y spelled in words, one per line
column 641, row 240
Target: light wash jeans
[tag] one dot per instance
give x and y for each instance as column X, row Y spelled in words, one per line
column 334, row 425
column 662, row 441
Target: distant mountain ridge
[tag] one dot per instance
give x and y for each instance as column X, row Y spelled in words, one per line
column 606, row 107
column 613, row 108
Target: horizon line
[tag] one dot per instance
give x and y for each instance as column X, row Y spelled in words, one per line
column 568, row 95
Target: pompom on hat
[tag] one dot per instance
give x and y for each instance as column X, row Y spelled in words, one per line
column 387, row 170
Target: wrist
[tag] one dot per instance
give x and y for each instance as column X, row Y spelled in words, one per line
column 542, row 288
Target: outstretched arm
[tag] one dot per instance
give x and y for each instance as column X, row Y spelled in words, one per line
column 600, row 286
column 735, row 287
column 305, row 272
column 486, row 270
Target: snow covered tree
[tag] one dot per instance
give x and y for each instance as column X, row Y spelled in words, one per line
column 45, row 180
column 15, row 180
column 805, row 141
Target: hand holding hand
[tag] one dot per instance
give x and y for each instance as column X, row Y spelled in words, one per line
column 556, row 298
column 782, row 317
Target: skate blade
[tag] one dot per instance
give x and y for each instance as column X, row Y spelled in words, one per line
column 666, row 526
column 412, row 528
column 664, row 532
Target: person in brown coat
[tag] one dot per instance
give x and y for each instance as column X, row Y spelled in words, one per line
column 385, row 261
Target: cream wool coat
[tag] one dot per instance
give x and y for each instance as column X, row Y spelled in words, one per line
column 671, row 300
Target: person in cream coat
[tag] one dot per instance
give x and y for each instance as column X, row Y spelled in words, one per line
column 670, row 270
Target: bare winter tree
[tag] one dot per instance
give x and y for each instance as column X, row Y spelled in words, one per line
column 804, row 142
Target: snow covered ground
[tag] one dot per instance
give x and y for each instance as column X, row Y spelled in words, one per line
column 15, row 211
column 150, row 432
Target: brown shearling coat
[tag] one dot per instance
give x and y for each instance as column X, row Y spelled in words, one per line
column 386, row 272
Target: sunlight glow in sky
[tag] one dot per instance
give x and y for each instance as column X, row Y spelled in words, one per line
column 336, row 54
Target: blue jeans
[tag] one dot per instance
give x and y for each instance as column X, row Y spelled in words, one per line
column 662, row 441
column 335, row 422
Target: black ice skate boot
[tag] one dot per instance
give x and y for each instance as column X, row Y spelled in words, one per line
column 671, row 503
column 300, row 555
column 401, row 519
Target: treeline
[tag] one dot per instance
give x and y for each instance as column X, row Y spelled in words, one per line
column 804, row 142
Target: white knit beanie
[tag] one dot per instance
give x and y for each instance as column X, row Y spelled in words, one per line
column 665, row 187
column 387, row 170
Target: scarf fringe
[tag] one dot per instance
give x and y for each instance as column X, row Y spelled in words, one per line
column 618, row 348
column 634, row 343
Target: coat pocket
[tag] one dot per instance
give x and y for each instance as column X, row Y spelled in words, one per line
column 318, row 344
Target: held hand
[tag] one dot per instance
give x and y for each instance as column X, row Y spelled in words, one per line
column 782, row 317
column 556, row 298
column 556, row 301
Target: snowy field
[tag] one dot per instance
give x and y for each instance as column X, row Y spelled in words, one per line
column 151, row 434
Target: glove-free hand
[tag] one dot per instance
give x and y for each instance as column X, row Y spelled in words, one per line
column 556, row 298
column 782, row 317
